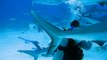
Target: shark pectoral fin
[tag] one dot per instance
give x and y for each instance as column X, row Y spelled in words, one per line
column 51, row 49
column 51, row 30
column 53, row 45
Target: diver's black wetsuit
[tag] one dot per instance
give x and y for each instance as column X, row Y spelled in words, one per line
column 72, row 51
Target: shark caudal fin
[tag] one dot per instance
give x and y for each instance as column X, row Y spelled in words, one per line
column 50, row 29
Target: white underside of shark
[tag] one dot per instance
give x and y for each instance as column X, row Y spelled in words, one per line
column 94, row 32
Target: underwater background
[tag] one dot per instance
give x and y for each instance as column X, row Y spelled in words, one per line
column 17, row 28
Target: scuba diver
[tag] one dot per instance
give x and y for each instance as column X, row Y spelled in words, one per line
column 73, row 24
column 69, row 49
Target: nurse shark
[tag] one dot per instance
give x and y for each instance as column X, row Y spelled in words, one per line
column 96, row 31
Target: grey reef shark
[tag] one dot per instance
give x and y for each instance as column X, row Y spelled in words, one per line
column 93, row 32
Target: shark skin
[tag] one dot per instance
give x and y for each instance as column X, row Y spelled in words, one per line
column 90, row 20
column 53, row 33
column 48, row 2
column 89, row 2
column 94, row 32
column 56, row 2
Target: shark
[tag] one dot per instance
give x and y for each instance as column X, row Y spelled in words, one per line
column 48, row 2
column 56, row 2
column 89, row 2
column 96, row 31
column 35, row 52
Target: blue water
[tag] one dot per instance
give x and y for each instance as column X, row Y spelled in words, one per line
column 16, row 21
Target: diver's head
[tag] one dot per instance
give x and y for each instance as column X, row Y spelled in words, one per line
column 72, row 42
column 75, row 23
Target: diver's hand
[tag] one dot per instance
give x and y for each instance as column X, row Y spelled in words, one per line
column 65, row 28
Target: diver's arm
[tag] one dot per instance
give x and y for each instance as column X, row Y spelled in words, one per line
column 86, row 44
